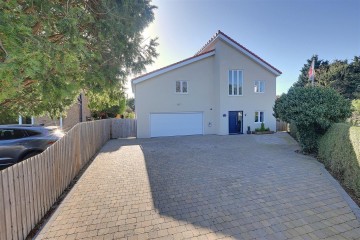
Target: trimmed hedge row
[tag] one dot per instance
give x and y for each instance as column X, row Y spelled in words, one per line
column 339, row 150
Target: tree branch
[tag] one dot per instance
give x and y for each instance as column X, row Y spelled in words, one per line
column 36, row 28
column 56, row 37
column 3, row 48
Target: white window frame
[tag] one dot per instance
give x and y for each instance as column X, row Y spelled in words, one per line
column 239, row 73
column 259, row 117
column 257, row 86
column 181, row 87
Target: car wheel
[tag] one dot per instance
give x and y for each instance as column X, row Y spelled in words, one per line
column 29, row 155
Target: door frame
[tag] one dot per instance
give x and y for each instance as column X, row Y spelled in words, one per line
column 237, row 120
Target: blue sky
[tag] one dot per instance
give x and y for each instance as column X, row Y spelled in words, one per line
column 283, row 32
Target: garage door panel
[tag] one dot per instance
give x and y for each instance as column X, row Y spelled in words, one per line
column 176, row 124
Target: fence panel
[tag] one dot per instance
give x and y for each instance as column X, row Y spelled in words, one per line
column 2, row 211
column 30, row 188
column 123, row 128
column 282, row 126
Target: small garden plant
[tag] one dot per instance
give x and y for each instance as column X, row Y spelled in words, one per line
column 262, row 128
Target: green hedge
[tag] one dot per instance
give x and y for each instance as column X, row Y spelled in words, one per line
column 293, row 130
column 339, row 150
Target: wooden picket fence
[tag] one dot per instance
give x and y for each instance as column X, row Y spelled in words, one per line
column 29, row 189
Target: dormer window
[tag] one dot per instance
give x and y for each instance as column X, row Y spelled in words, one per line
column 181, row 86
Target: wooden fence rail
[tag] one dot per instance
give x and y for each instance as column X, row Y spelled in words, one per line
column 28, row 189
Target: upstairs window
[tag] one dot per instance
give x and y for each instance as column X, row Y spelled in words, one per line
column 259, row 86
column 181, row 87
column 259, row 117
column 235, row 82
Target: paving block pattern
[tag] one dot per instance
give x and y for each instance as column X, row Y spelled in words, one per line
column 205, row 187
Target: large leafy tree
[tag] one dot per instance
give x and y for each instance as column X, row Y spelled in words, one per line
column 312, row 110
column 52, row 50
column 131, row 103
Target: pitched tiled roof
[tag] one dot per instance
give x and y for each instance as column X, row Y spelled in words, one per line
column 220, row 33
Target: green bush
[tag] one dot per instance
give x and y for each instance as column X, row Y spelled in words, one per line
column 293, row 130
column 339, row 150
column 355, row 118
column 312, row 110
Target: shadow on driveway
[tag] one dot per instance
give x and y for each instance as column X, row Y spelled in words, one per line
column 236, row 185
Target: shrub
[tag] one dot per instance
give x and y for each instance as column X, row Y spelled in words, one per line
column 262, row 128
column 355, row 118
column 312, row 110
column 293, row 130
column 339, row 150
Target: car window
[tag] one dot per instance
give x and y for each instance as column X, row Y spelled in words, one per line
column 8, row 134
column 32, row 133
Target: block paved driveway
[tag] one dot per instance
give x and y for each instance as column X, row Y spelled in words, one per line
column 205, row 187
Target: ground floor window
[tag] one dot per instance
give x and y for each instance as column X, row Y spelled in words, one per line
column 259, row 116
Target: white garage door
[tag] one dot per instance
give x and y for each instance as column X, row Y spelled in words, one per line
column 175, row 124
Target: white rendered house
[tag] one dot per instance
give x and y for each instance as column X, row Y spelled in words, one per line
column 222, row 90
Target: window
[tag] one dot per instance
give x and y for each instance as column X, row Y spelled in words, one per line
column 9, row 134
column 259, row 86
column 259, row 117
column 181, row 87
column 32, row 133
column 235, row 82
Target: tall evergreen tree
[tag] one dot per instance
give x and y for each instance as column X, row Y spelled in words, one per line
column 353, row 79
column 303, row 79
column 52, row 50
column 340, row 75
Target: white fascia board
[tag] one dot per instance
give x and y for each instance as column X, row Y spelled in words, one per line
column 249, row 55
column 172, row 67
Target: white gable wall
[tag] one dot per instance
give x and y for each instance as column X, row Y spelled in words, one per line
column 228, row 59
column 157, row 95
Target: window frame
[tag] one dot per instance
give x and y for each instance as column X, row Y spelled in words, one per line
column 259, row 116
column 181, row 86
column 237, row 82
column 259, row 81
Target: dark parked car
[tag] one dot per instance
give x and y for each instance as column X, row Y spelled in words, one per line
column 19, row 142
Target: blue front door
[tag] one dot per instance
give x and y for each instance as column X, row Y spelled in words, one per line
column 235, row 122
